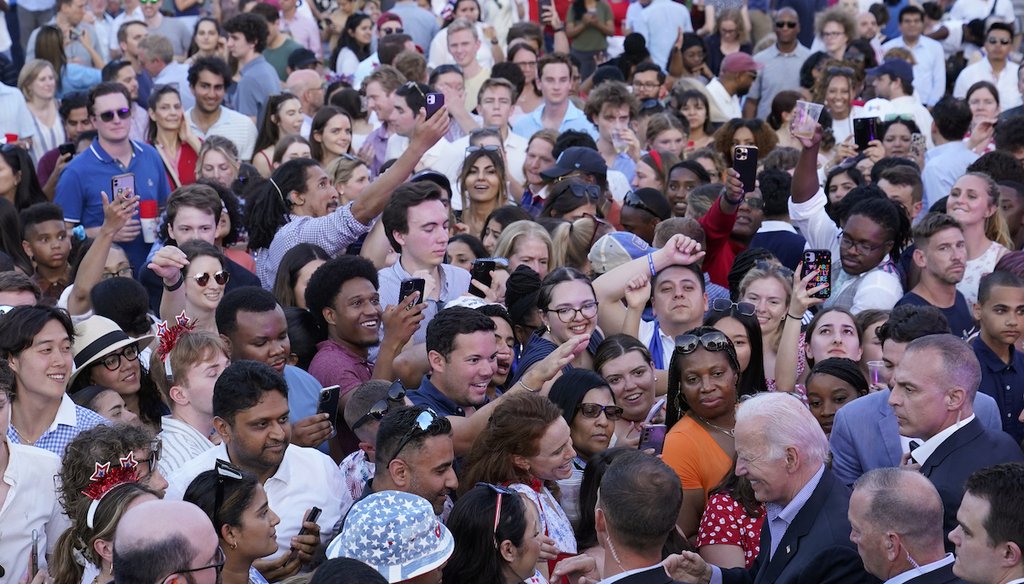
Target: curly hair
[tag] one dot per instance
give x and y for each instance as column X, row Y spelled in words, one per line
column 764, row 137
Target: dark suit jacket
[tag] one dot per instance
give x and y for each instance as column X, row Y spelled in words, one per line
column 816, row 548
column 968, row 449
column 943, row 575
column 655, row 575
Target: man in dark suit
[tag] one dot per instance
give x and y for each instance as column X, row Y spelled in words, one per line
column 637, row 506
column 991, row 527
column 933, row 391
column 781, row 450
column 896, row 515
column 865, row 434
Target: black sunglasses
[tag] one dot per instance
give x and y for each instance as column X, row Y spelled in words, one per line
column 392, row 30
column 225, row 471
column 427, row 422
column 396, row 395
column 112, row 362
column 220, row 278
column 633, row 200
column 123, row 113
column 484, row 148
column 582, row 190
column 594, row 410
column 785, row 24
column 713, row 341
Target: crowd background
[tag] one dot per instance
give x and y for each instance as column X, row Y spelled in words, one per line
column 489, row 291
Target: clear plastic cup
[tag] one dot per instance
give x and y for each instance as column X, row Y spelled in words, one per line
column 805, row 119
column 877, row 378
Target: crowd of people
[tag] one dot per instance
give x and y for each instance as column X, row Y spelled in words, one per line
column 488, row 291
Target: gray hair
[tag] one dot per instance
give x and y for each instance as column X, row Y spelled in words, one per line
column 460, row 24
column 156, row 46
column 957, row 364
column 904, row 502
column 784, row 422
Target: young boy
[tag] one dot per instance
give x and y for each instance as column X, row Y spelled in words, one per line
column 1000, row 314
column 45, row 238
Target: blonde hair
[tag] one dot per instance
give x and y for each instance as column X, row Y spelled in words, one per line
column 341, row 168
column 218, row 144
column 572, row 241
column 735, row 16
column 191, row 348
column 30, row 72
column 511, row 235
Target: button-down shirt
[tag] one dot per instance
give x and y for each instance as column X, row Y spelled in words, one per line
column 305, row 478
column 70, row 421
column 332, row 232
column 574, row 119
column 658, row 23
column 377, row 145
column 967, row 10
column 781, row 72
column 30, row 507
column 922, row 452
column 1004, row 382
column 181, row 443
column 356, row 471
column 929, row 70
column 454, row 283
column 944, row 164
column 428, row 395
column 1005, row 81
column 728, row 104
column 921, row 570
column 304, row 30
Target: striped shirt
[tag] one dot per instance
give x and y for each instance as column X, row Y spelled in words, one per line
column 181, row 443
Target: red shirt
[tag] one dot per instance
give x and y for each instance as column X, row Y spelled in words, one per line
column 718, row 251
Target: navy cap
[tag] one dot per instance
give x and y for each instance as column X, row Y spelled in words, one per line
column 576, row 158
column 895, row 68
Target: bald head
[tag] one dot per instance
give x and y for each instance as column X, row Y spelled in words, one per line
column 306, row 84
column 787, row 11
column 157, row 538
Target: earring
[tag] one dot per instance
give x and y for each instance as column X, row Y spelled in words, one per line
column 234, row 545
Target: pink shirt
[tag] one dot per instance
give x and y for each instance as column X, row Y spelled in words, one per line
column 304, row 30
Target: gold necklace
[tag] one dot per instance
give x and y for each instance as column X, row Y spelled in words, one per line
column 727, row 431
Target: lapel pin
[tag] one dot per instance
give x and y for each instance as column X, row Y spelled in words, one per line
column 787, row 549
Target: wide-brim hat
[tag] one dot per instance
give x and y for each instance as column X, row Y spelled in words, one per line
column 395, row 533
column 95, row 338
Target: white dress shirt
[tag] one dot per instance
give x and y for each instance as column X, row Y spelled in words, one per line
column 921, row 571
column 31, row 505
column 922, row 452
column 728, row 105
column 1005, row 82
column 181, row 443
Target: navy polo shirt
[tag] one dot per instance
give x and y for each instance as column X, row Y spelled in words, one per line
column 89, row 173
column 1005, row 383
column 428, row 396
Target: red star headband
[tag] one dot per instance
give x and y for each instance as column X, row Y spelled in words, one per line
column 168, row 337
column 104, row 479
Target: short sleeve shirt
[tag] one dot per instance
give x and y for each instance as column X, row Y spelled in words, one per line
column 725, row 522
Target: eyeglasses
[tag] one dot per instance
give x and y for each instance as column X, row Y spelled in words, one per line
column 582, row 190
column 786, row 24
column 123, row 113
column 839, row 71
column 484, row 148
column 862, row 247
column 567, row 314
column 218, row 565
column 125, row 272
column 713, row 341
column 425, row 422
column 650, row 85
column 594, row 410
column 998, row 41
column 225, row 471
column 112, row 362
column 396, row 395
column 387, row 31
column 633, row 200
column 726, row 305
column 220, row 278
column 501, row 491
column 755, row 203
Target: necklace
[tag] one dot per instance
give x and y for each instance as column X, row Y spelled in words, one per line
column 727, row 431
column 21, row 437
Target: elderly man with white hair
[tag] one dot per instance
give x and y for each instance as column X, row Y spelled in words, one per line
column 782, row 451
column 896, row 515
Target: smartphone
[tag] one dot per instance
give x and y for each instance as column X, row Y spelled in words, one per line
column 653, row 436
column 66, row 148
column 821, row 260
column 744, row 160
column 918, row 145
column 481, row 272
column 329, row 397
column 311, row 517
column 122, row 185
column 33, row 559
column 412, row 285
column 434, row 102
column 864, row 131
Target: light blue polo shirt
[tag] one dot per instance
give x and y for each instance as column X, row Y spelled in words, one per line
column 574, row 119
column 78, row 190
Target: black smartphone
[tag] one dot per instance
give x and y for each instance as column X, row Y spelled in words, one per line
column 412, row 285
column 653, row 436
column 744, row 160
column 33, row 560
column 66, row 148
column 864, row 131
column 311, row 517
column 122, row 185
column 821, row 260
column 481, row 272
column 329, row 397
column 434, row 102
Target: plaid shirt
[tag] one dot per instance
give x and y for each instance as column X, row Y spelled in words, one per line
column 70, row 421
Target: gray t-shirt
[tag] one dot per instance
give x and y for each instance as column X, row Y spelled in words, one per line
column 259, row 82
column 177, row 31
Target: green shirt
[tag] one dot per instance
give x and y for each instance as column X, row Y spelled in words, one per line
column 279, row 57
column 591, row 39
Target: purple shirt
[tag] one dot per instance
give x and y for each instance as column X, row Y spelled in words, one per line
column 377, row 144
column 335, row 364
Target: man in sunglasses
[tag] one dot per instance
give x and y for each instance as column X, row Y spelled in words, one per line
column 251, row 416
column 642, row 210
column 86, row 180
column 995, row 66
column 782, row 62
column 158, row 540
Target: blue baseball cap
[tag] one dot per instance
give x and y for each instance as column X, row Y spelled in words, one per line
column 895, row 68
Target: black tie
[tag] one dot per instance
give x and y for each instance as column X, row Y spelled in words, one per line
column 914, row 444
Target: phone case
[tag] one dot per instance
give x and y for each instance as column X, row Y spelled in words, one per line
column 744, row 160
column 653, row 436
column 122, row 184
column 821, row 260
column 412, row 285
column 864, row 131
column 434, row 102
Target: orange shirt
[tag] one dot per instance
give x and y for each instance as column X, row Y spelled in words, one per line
column 695, row 456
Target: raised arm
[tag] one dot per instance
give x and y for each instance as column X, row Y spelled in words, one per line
column 789, row 342
column 115, row 216
column 805, row 175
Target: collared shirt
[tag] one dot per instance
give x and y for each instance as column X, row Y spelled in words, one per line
column 259, row 82
column 377, row 145
column 181, row 442
column 574, row 119
column 428, row 395
column 70, row 421
column 356, row 471
column 922, row 452
column 336, row 364
column 14, row 112
column 89, row 173
column 661, row 38
column 31, row 507
column 929, row 70
column 306, row 478
column 967, row 10
column 454, row 283
column 1005, row 383
column 922, row 570
column 625, row 575
column 231, row 125
column 304, row 30
column 1005, row 81
column 781, row 72
column 728, row 105
column 944, row 164
column 450, row 161
column 417, row 22
column 176, row 75
column 303, row 396
column 332, row 232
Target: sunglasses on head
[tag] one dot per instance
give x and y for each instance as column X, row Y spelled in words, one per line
column 484, row 148
column 426, row 420
column 225, row 471
column 633, row 200
column 594, row 410
column 712, row 341
column 396, row 395
column 785, row 24
column 220, row 278
column 123, row 113
column 501, row 492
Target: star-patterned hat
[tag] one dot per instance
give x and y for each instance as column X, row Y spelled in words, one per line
column 396, row 533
